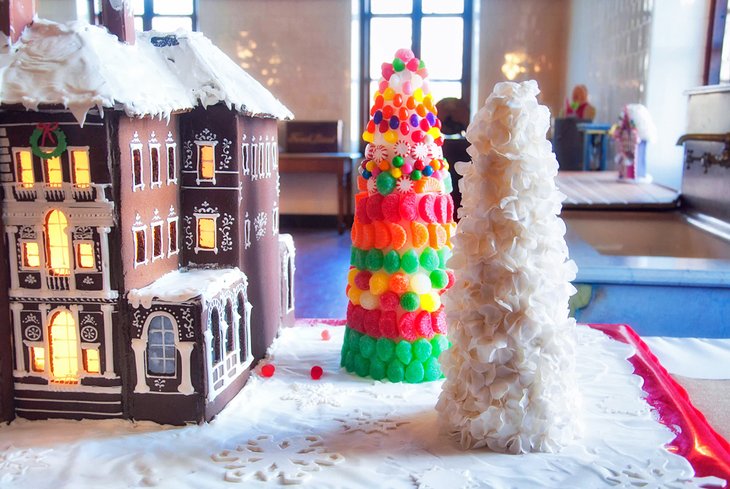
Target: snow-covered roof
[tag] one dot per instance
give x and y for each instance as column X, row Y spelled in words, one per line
column 181, row 286
column 81, row 66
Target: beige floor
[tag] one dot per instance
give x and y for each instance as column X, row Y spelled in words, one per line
column 712, row 398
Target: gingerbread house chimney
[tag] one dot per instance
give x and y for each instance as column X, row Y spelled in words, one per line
column 117, row 16
column 14, row 16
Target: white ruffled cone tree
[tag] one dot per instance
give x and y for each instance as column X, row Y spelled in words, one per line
column 510, row 372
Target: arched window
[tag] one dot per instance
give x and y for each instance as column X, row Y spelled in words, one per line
column 241, row 310
column 215, row 327
column 57, row 245
column 64, row 344
column 161, row 351
column 230, row 340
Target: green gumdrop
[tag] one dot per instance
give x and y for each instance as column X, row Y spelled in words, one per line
column 397, row 161
column 429, row 259
column 385, row 349
column 421, row 349
column 367, row 346
column 398, row 64
column 410, row 301
column 448, row 184
column 444, row 255
column 360, row 256
column 414, row 372
column 395, row 372
column 409, row 261
column 431, row 370
column 391, row 262
column 377, row 369
column 354, row 341
column 421, row 64
column 385, row 183
column 374, row 260
column 350, row 361
column 439, row 279
column 416, row 175
column 403, row 352
column 439, row 343
column 353, row 256
column 362, row 365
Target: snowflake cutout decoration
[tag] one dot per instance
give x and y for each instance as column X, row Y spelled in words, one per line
column 437, row 477
column 420, row 151
column 372, row 186
column 14, row 463
column 30, row 279
column 380, row 153
column 310, row 395
column 368, row 424
column 290, row 461
column 404, row 185
column 654, row 476
column 402, row 148
column 259, row 225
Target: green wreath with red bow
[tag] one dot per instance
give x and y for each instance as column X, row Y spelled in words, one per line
column 49, row 135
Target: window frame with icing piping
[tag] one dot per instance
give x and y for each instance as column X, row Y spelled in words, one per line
column 24, row 167
column 423, row 16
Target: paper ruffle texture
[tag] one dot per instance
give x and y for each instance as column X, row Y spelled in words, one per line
column 510, row 373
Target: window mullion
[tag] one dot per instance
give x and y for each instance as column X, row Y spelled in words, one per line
column 416, row 19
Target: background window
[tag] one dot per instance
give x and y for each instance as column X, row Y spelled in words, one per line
column 24, row 165
column 160, row 15
column 161, row 352
column 438, row 32
column 80, row 164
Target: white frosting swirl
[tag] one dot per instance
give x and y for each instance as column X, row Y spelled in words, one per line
column 510, row 373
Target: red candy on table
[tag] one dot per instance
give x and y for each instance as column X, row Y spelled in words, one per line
column 268, row 370
column 316, row 372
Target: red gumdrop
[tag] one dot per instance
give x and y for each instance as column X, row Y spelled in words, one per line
column 389, row 324
column 450, row 274
column 316, row 372
column 387, row 70
column 416, row 136
column 375, row 207
column 389, row 301
column 387, row 111
column 405, row 128
column 449, row 208
column 403, row 113
column 408, row 208
column 398, row 100
column 424, row 125
column 358, row 315
column 412, row 64
column 439, row 141
column 438, row 321
column 423, row 324
column 440, row 208
column 350, row 307
column 438, row 123
column 326, row 334
column 390, row 208
column 384, row 126
column 362, row 279
column 379, row 101
column 371, row 322
column 419, row 165
column 426, row 208
column 371, row 126
column 268, row 370
column 361, row 210
column 407, row 326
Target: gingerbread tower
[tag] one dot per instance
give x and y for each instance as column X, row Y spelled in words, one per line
column 401, row 235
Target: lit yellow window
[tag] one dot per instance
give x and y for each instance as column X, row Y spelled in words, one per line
column 31, row 255
column 207, row 162
column 64, row 348
column 57, row 247
column 85, row 255
column 82, row 174
column 91, row 361
column 206, row 233
column 24, row 164
column 38, row 359
column 54, row 173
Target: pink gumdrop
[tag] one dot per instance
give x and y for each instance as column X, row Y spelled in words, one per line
column 407, row 88
column 362, row 279
column 407, row 169
column 268, row 370
column 438, row 321
column 405, row 54
column 423, row 325
column 412, row 64
column 388, row 302
column 407, row 326
column 316, row 372
column 426, row 208
column 376, row 171
column 408, row 207
column 382, row 86
column 387, row 70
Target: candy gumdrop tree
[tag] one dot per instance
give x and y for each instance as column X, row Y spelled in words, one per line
column 401, row 236
column 510, row 372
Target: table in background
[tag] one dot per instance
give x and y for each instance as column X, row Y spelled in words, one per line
column 340, row 164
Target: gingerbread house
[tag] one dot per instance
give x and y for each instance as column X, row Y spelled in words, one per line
column 140, row 214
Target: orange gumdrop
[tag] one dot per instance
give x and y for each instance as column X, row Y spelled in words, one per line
column 399, row 283
column 368, row 237
column 381, row 239
column 419, row 234
column 437, row 236
column 356, row 233
column 362, row 183
column 398, row 237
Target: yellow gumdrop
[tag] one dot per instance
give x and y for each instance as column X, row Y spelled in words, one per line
column 428, row 102
column 379, row 283
column 418, row 94
column 368, row 137
column 430, row 302
column 369, row 301
column 391, row 137
column 354, row 294
column 376, row 95
column 351, row 276
column 420, row 283
column 435, row 132
column 370, row 166
column 446, row 165
column 388, row 94
column 396, row 172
